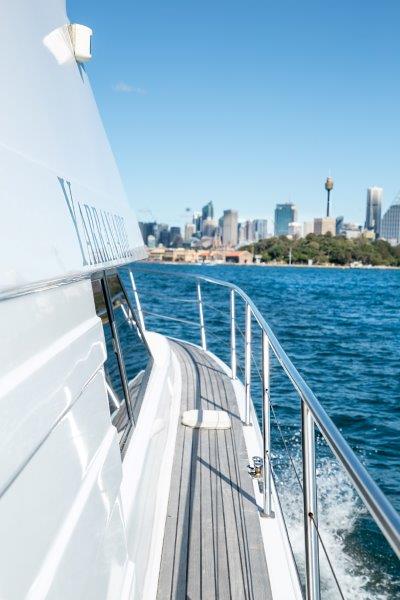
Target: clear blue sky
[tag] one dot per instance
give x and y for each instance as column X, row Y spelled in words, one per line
column 248, row 103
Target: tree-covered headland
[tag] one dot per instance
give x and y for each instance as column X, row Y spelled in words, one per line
column 327, row 249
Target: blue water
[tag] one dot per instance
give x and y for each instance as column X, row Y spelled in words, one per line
column 341, row 328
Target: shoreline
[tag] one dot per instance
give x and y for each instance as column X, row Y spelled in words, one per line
column 270, row 265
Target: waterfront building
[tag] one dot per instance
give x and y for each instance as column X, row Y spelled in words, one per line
column 374, row 210
column 260, row 229
column 230, row 228
column 295, row 229
column 308, row 227
column 186, row 255
column 390, row 229
column 206, row 242
column 325, row 225
column 284, row 214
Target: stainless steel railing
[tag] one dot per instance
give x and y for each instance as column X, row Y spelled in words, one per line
column 312, row 415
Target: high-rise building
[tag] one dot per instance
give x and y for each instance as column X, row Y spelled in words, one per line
column 208, row 227
column 207, row 212
column 164, row 236
column 147, row 229
column 248, row 231
column 390, row 229
column 308, row 227
column 245, row 232
column 374, row 210
column 175, row 236
column 295, row 229
column 325, row 225
column 197, row 223
column 241, row 234
column 260, row 229
column 230, row 228
column 284, row 214
column 190, row 230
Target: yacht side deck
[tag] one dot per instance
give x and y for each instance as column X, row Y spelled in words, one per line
column 213, row 546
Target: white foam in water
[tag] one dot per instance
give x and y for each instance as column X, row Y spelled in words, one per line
column 338, row 509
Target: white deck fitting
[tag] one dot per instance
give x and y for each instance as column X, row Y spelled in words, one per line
column 213, row 547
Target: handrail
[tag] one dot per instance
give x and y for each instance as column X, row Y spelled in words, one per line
column 379, row 506
column 382, row 511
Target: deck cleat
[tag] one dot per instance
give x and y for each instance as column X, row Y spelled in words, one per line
column 255, row 470
column 258, row 464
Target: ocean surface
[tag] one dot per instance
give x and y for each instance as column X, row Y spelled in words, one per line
column 341, row 329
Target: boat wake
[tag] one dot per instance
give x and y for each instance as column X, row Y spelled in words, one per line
column 352, row 570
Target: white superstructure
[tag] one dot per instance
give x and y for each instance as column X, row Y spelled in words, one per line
column 66, row 208
column 71, row 524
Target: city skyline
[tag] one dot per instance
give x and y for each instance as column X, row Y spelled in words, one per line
column 373, row 201
column 230, row 230
column 304, row 215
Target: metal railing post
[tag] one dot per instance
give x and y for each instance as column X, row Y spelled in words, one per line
column 201, row 317
column 233, row 336
column 247, row 362
column 267, row 508
column 310, row 504
column 137, row 301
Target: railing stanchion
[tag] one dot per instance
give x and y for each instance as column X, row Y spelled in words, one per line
column 201, row 318
column 233, row 336
column 267, row 508
column 247, row 363
column 310, row 504
column 137, row 300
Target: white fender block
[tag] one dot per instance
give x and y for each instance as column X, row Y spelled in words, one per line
column 206, row 419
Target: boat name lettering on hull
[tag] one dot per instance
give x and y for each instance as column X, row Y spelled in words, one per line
column 101, row 235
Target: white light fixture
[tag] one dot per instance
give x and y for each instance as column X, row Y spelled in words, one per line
column 81, row 42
